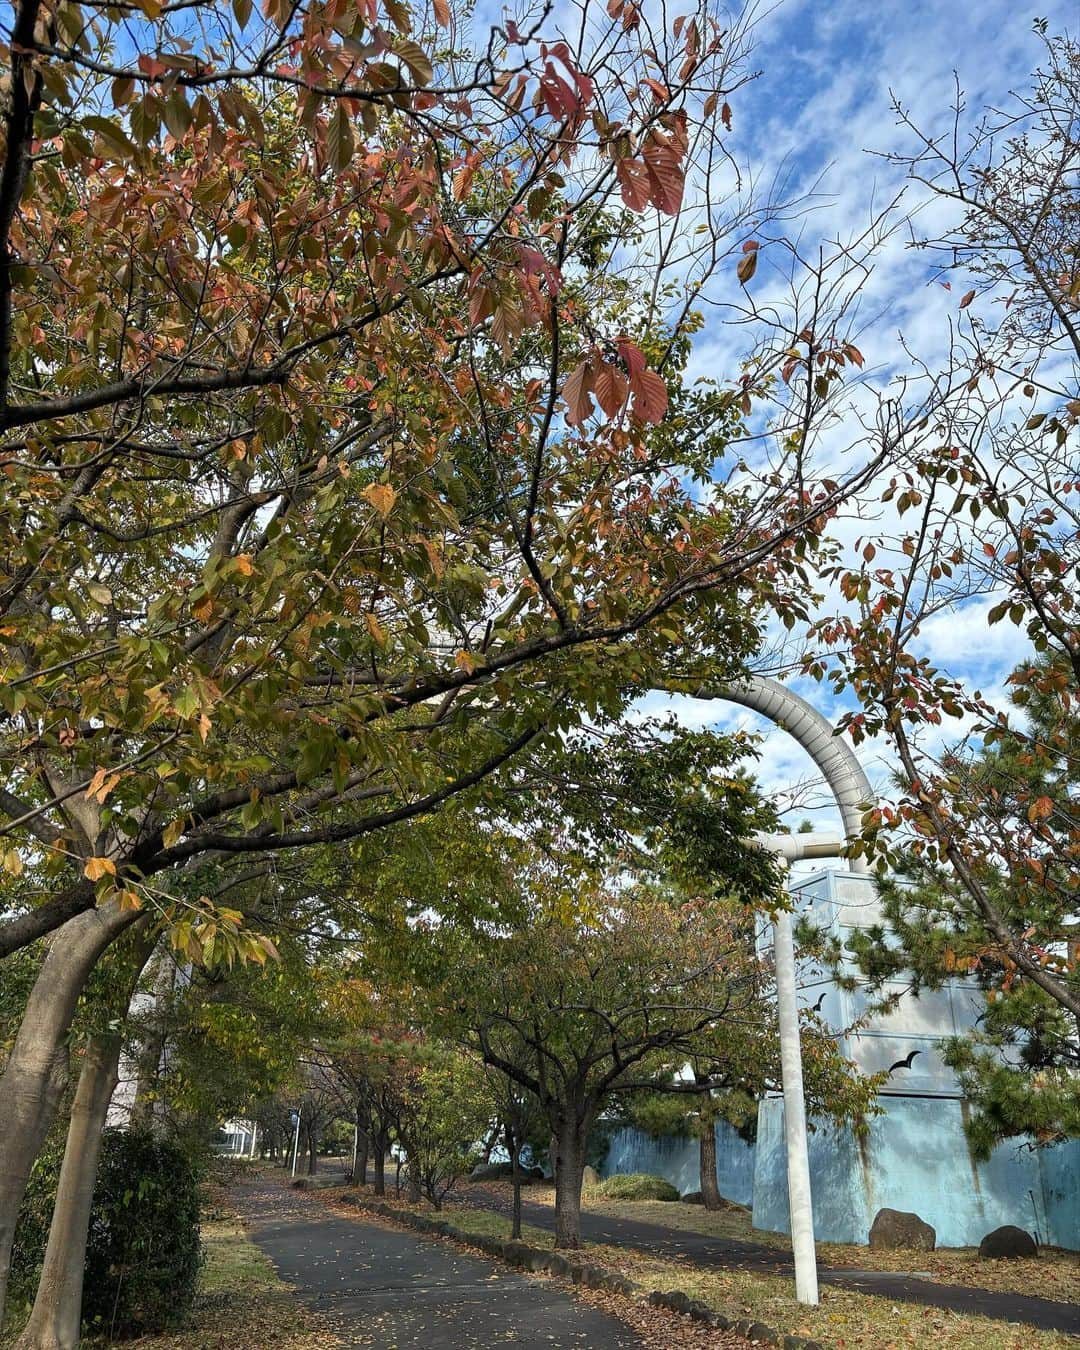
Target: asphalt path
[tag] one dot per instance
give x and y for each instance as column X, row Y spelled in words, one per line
column 386, row 1289
column 735, row 1254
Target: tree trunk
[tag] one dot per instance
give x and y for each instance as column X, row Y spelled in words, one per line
column 363, row 1146
column 379, row 1161
column 710, row 1191
column 37, row 1067
column 152, row 1046
column 569, row 1166
column 513, row 1147
column 57, row 1314
column 415, row 1193
column 313, row 1155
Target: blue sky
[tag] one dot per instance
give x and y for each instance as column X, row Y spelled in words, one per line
column 819, row 110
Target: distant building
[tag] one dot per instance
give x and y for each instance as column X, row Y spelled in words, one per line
column 916, row 1156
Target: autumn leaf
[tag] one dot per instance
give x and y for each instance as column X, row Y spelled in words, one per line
column 441, row 10
column 650, row 396
column 416, row 59
column 375, row 628
column 380, row 496
column 610, row 388
column 577, row 394
column 747, row 266
column 96, row 868
column 633, row 183
column 967, row 299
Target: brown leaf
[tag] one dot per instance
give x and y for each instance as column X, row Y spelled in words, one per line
column 650, row 396
column 380, row 496
column 577, row 395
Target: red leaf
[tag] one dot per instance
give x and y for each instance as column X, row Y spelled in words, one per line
column 442, row 12
column 650, row 396
column 666, row 187
column 610, row 389
column 634, row 182
column 631, row 357
column 577, row 396
column 967, row 299
column 750, row 245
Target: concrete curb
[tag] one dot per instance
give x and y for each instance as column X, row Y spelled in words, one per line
column 538, row 1259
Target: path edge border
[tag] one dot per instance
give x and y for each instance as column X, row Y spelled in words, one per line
column 536, row 1260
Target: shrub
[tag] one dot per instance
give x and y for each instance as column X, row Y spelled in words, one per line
column 636, row 1186
column 143, row 1253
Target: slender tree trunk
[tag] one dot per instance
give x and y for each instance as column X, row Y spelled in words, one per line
column 152, row 1046
column 710, row 1190
column 379, row 1161
column 55, row 1320
column 513, row 1147
column 569, row 1166
column 362, row 1149
column 553, row 1157
column 37, row 1067
column 57, row 1313
column 415, row 1193
column 313, row 1155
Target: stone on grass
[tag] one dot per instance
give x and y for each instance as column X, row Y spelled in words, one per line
column 1008, row 1243
column 491, row 1172
column 894, row 1228
column 692, row 1198
column 590, row 1176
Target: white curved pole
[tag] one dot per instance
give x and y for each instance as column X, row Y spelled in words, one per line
column 851, row 788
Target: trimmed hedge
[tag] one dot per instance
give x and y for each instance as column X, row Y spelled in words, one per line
column 636, row 1186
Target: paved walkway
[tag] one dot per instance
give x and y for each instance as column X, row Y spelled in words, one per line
column 386, row 1289
column 733, row 1253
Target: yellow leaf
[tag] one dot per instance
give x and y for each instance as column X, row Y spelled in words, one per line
column 129, row 900
column 244, row 564
column 96, row 868
column 380, row 496
column 100, row 786
column 375, row 628
column 13, row 864
column 203, row 609
column 172, row 831
column 204, row 727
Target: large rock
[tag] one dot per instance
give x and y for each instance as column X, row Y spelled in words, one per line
column 894, row 1228
column 1009, row 1243
column 490, row 1172
column 590, row 1176
column 692, row 1198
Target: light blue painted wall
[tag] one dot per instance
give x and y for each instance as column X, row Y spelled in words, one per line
column 916, row 1158
column 675, row 1158
column 1061, row 1193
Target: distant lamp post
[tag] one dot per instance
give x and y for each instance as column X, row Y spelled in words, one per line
column 296, row 1141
